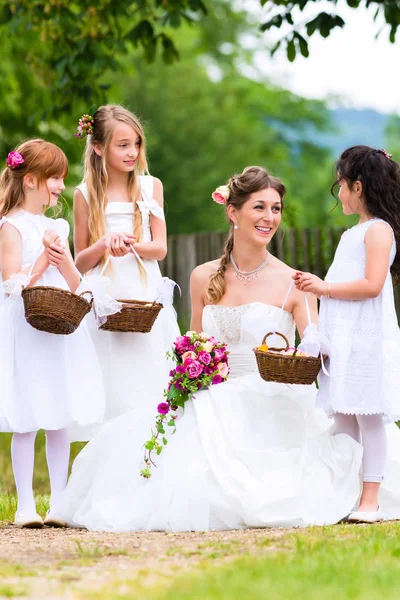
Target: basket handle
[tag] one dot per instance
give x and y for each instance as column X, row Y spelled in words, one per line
column 282, row 336
column 136, row 255
column 91, row 296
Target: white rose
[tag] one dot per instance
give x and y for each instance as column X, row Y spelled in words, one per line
column 208, row 346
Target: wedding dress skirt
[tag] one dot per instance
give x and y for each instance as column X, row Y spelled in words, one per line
column 246, row 453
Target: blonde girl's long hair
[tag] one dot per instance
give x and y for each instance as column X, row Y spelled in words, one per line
column 95, row 169
column 252, row 179
column 41, row 159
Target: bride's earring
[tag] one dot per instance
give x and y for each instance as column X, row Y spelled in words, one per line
column 235, row 227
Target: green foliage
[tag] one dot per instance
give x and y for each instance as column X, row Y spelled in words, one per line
column 204, row 116
column 288, row 15
column 393, row 137
column 71, row 44
column 202, row 129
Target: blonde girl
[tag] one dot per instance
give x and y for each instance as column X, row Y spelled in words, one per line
column 120, row 230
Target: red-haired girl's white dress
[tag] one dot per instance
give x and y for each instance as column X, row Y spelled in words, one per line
column 47, row 381
column 134, row 366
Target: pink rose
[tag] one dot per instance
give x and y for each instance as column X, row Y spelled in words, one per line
column 221, row 194
column 218, row 198
column 14, row 159
column 216, row 379
column 194, row 368
column 204, row 357
column 223, row 369
column 181, row 344
column 218, row 354
column 188, row 355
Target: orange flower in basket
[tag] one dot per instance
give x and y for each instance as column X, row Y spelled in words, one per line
column 263, row 348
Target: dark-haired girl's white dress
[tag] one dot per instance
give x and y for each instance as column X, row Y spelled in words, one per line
column 364, row 358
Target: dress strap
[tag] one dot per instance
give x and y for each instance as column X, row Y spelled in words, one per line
column 305, row 299
column 84, row 191
column 147, row 187
column 149, row 204
column 287, row 294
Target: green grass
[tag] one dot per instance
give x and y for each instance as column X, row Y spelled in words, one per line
column 332, row 563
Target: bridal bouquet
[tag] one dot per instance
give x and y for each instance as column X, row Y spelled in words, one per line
column 201, row 361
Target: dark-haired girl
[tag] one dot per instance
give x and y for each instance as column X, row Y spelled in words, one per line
column 358, row 314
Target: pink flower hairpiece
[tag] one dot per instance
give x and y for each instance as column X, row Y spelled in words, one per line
column 14, row 159
column 383, row 151
column 85, row 126
column 221, row 194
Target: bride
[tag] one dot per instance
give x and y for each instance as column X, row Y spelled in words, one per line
column 246, row 453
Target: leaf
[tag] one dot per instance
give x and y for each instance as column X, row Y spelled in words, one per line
column 276, row 21
column 276, row 47
column 311, row 26
column 164, row 441
column 171, row 423
column 149, row 445
column 160, row 428
column 303, row 45
column 291, row 50
column 159, row 450
column 170, row 53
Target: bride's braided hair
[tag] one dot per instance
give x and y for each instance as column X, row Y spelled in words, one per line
column 241, row 186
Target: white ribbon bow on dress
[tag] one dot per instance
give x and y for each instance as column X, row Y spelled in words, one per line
column 151, row 206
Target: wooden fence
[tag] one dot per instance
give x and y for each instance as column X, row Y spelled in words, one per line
column 305, row 249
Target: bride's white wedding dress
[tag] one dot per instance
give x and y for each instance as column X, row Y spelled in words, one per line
column 246, row 453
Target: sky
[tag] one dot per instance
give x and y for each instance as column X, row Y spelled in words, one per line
column 350, row 65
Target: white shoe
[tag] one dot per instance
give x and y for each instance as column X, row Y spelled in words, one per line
column 28, row 518
column 52, row 519
column 365, row 517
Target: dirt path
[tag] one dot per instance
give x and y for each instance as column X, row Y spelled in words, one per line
column 75, row 563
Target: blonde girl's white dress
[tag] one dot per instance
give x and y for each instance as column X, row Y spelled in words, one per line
column 133, row 364
column 364, row 337
column 47, row 381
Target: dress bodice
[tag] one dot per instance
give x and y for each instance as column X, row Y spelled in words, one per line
column 119, row 216
column 243, row 327
column 32, row 228
column 350, row 256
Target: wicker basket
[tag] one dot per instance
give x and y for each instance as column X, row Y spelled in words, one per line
column 286, row 368
column 54, row 310
column 136, row 316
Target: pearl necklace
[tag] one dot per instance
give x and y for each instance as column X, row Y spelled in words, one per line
column 249, row 275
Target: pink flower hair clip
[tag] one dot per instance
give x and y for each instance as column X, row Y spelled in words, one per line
column 85, row 126
column 383, row 151
column 14, row 159
column 221, row 194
